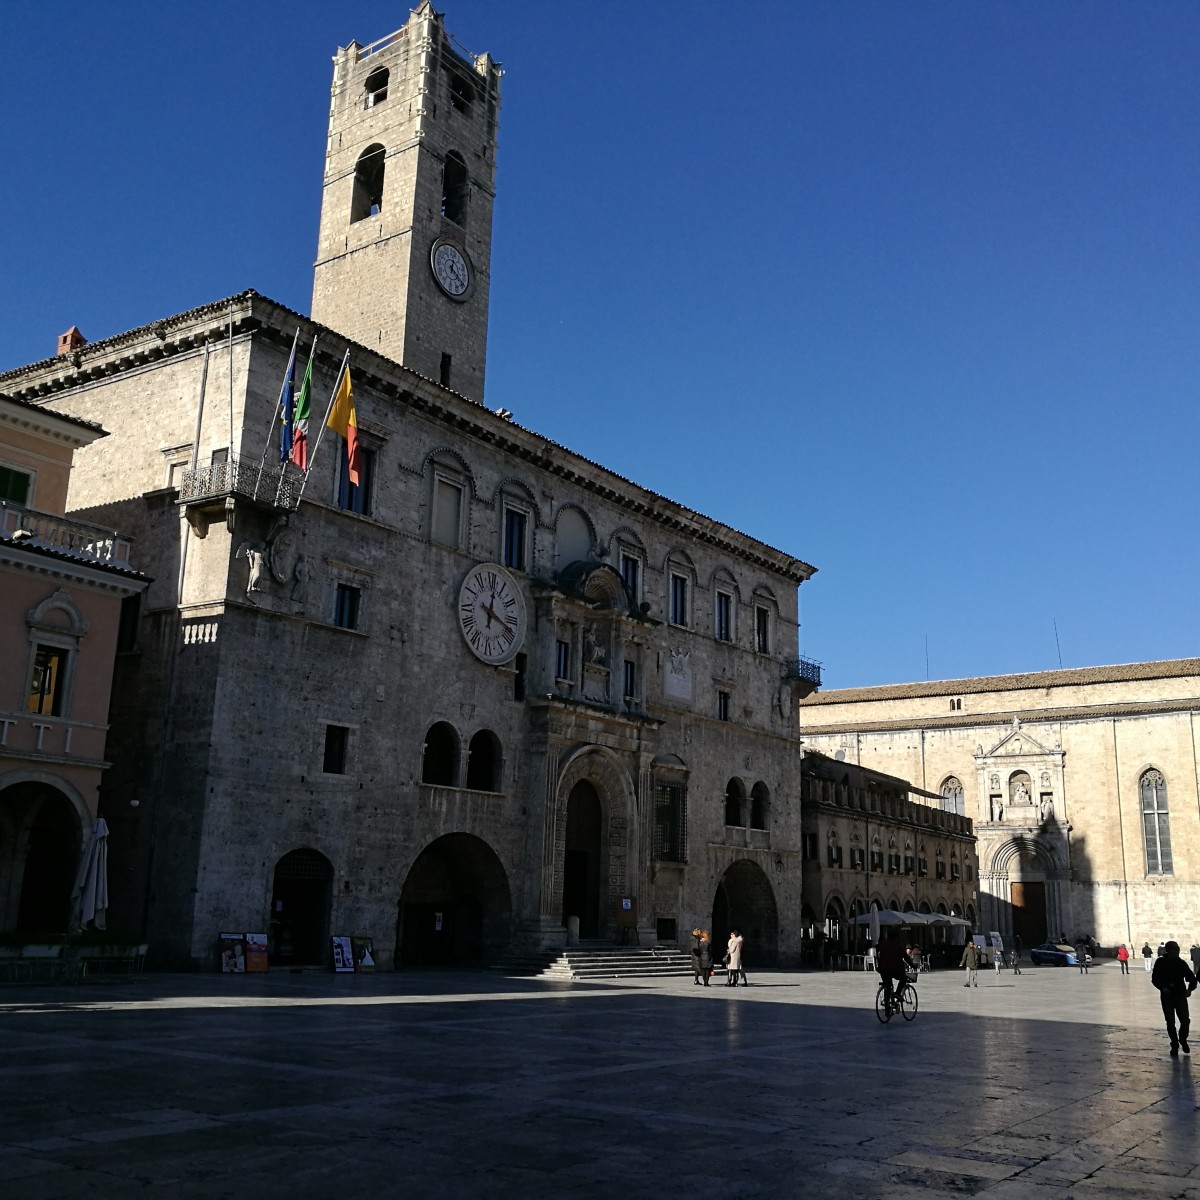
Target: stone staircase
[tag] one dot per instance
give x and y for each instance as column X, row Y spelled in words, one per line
column 596, row 960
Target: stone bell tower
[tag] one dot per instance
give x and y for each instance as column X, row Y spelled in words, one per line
column 404, row 254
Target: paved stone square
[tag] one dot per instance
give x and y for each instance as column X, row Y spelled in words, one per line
column 449, row 1084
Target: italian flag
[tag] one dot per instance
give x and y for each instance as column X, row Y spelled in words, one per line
column 342, row 419
column 299, row 453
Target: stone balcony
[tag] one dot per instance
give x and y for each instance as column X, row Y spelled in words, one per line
column 262, row 482
column 53, row 531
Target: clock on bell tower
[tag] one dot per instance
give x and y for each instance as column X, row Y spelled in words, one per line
column 404, row 251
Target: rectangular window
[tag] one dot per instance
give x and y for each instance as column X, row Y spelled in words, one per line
column 447, row 512
column 724, row 701
column 724, row 617
column 940, row 869
column 127, row 626
column 515, row 525
column 953, row 869
column 175, row 473
column 631, row 572
column 762, row 629
column 858, row 858
column 876, row 860
column 670, row 823
column 808, row 842
column 630, row 679
column 910, row 864
column 444, row 370
column 336, row 739
column 835, row 855
column 345, row 606
column 562, row 660
column 356, row 497
column 679, row 600
column 14, row 486
column 893, row 864
column 48, row 681
column 922, row 866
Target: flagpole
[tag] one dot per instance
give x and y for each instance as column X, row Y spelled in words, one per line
column 324, row 424
column 288, row 371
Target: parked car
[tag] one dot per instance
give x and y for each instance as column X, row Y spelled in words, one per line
column 1053, row 954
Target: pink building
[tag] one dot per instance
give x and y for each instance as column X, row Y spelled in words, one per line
column 68, row 602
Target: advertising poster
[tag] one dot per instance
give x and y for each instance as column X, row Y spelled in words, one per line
column 256, row 953
column 343, row 954
column 364, row 952
column 232, row 953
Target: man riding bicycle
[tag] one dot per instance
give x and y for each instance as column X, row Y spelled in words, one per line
column 891, row 959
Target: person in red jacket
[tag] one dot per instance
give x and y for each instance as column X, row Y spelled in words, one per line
column 1123, row 958
column 890, row 961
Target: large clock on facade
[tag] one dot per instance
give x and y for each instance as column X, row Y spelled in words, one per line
column 451, row 269
column 491, row 613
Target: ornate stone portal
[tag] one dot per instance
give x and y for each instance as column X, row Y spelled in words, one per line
column 1024, row 844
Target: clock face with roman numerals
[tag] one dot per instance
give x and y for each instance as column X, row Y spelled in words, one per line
column 491, row 613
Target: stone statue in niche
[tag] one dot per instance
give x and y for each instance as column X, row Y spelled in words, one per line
column 1046, row 780
column 995, row 783
column 1046, row 811
column 593, row 648
column 1022, row 796
column 256, row 555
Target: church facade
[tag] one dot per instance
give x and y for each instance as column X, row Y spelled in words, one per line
column 488, row 695
column 1083, row 784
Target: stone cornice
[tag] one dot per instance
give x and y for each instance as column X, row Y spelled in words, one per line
column 43, row 561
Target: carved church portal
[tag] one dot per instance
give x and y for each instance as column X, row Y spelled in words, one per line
column 581, row 859
column 745, row 902
column 299, row 935
column 40, row 843
column 455, row 907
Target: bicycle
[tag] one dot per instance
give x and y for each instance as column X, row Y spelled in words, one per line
column 905, row 1001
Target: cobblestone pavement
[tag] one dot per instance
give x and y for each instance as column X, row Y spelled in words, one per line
column 449, row 1084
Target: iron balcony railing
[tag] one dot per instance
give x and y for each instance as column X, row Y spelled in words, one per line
column 252, row 478
column 807, row 669
column 91, row 543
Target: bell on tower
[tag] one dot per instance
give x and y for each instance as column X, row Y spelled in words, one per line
column 404, row 252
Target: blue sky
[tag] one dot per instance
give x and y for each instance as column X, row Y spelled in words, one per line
column 907, row 290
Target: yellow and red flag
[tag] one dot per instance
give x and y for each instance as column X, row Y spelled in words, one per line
column 343, row 420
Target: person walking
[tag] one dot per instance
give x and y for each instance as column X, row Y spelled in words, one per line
column 1123, row 958
column 1195, row 957
column 1014, row 957
column 997, row 959
column 701, row 956
column 1017, row 947
column 970, row 960
column 1083, row 957
column 1175, row 981
column 1147, row 958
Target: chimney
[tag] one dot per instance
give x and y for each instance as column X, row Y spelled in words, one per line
column 71, row 340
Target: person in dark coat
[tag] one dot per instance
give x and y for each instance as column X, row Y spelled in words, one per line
column 1175, row 981
column 701, row 956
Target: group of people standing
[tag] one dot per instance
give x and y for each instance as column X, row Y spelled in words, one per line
column 702, row 958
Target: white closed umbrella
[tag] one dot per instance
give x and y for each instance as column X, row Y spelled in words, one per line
column 89, row 896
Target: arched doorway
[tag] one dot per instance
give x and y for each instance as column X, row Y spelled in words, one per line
column 581, row 859
column 40, row 843
column 834, row 932
column 455, row 906
column 300, row 896
column 745, row 901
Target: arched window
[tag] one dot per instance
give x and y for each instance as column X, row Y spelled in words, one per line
column 439, row 764
column 455, row 189
column 759, row 798
column 376, row 87
column 1156, row 824
column 735, row 799
column 952, row 796
column 483, row 762
column 367, row 200
column 834, row 849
